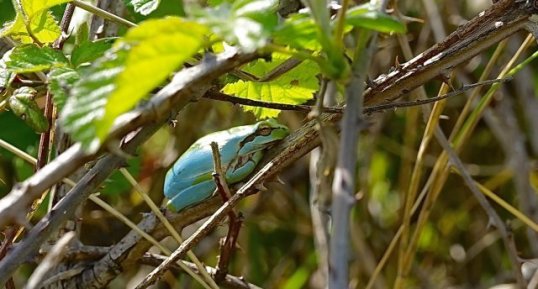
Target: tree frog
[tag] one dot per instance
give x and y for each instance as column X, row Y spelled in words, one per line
column 190, row 181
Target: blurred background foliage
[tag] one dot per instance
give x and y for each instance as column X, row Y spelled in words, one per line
column 458, row 248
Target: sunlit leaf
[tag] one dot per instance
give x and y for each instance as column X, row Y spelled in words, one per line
column 294, row 87
column 145, row 7
column 135, row 65
column 161, row 46
column 31, row 7
column 32, row 58
column 42, row 25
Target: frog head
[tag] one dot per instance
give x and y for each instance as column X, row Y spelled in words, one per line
column 264, row 134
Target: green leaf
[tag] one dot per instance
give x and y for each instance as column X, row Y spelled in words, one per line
column 42, row 25
column 145, row 7
column 60, row 80
column 135, row 65
column 245, row 23
column 294, row 87
column 214, row 3
column 162, row 46
column 44, row 29
column 88, row 97
column 89, row 51
column 32, row 7
column 23, row 104
column 7, row 12
column 298, row 31
column 365, row 17
column 32, row 58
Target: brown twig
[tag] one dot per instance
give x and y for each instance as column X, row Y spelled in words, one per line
column 219, row 175
column 227, row 247
column 216, row 95
column 501, row 20
column 284, row 67
column 54, row 256
column 229, row 281
column 490, row 211
column 9, row 235
column 235, row 220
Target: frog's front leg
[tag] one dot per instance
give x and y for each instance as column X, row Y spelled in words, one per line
column 243, row 167
column 192, row 195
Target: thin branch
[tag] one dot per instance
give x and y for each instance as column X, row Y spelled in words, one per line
column 343, row 197
column 54, row 257
column 218, row 174
column 216, row 95
column 229, row 281
column 345, row 171
column 492, row 214
column 322, row 163
column 102, row 13
column 275, row 73
column 227, row 247
column 235, row 220
column 468, row 40
column 168, row 226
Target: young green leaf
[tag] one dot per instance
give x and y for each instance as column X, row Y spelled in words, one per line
column 32, row 58
column 145, row 7
column 23, row 104
column 293, row 87
column 33, row 14
column 43, row 28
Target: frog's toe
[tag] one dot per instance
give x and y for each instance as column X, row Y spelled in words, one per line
column 191, row 196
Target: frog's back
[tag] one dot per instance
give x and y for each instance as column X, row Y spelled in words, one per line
column 196, row 164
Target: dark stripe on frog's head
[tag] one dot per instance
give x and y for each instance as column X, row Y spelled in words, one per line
column 266, row 133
